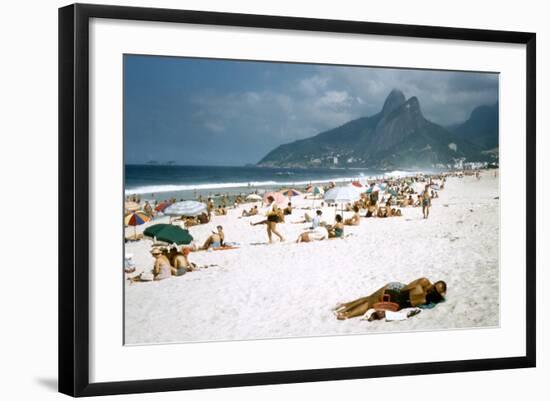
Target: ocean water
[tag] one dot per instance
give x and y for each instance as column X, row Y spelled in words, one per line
column 210, row 180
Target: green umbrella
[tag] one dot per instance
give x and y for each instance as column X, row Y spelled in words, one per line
column 169, row 233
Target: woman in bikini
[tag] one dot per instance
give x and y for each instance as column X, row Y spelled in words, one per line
column 274, row 216
column 418, row 292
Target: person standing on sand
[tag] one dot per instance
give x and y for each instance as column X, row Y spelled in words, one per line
column 210, row 207
column 426, row 202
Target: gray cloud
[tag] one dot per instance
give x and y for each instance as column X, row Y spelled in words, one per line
column 240, row 126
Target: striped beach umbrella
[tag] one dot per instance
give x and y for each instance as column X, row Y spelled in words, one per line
column 280, row 199
column 290, row 192
column 185, row 208
column 136, row 219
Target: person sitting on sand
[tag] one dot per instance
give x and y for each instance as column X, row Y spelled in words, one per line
column 179, row 261
column 336, row 230
column 203, row 218
column 371, row 210
column 215, row 240
column 162, row 268
column 418, row 292
column 220, row 211
column 382, row 211
column 252, row 212
column 355, row 219
column 316, row 220
column 288, row 209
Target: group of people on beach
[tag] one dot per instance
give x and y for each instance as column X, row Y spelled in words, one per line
column 398, row 194
column 174, row 261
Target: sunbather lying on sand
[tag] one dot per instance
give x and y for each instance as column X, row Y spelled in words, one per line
column 418, row 292
column 317, row 234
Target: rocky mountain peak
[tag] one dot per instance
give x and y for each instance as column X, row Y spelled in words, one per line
column 395, row 99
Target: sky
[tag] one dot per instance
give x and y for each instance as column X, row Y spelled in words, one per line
column 226, row 112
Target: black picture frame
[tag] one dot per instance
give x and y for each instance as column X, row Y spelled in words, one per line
column 74, row 200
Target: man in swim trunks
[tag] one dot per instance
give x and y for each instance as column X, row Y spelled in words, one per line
column 215, row 240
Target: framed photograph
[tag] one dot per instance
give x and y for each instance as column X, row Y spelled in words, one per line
column 251, row 199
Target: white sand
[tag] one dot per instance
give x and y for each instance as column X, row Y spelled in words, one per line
column 288, row 289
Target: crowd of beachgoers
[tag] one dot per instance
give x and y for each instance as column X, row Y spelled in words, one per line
column 277, row 262
column 377, row 198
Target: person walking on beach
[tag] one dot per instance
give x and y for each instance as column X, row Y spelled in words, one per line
column 273, row 219
column 426, row 202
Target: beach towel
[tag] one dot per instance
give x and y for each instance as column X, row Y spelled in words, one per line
column 390, row 316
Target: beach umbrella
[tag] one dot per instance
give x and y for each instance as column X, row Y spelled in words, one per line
column 161, row 206
column 317, row 191
column 355, row 188
column 357, row 184
column 280, row 199
column 136, row 219
column 254, row 197
column 131, row 206
column 290, row 192
column 185, row 208
column 373, row 188
column 169, row 233
column 309, row 188
column 342, row 194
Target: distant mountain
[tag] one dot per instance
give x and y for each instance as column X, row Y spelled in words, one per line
column 481, row 128
column 398, row 136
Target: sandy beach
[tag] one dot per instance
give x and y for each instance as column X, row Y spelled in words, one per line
column 288, row 289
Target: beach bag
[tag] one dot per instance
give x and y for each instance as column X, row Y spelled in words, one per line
column 386, row 304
